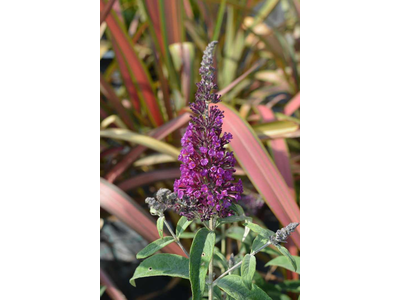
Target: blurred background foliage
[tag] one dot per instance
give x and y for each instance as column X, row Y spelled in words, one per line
column 150, row 53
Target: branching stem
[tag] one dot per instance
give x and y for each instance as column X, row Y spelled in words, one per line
column 240, row 263
column 175, row 237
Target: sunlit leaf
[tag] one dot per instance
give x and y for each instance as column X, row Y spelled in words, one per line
column 200, row 256
column 284, row 262
column 164, row 264
column 248, row 268
column 234, row 287
column 154, row 247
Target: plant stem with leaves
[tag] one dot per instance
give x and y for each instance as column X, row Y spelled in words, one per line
column 175, row 238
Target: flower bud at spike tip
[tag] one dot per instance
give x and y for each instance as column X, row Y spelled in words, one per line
column 282, row 234
column 206, row 186
column 164, row 199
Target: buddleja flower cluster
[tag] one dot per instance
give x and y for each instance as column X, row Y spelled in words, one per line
column 206, row 186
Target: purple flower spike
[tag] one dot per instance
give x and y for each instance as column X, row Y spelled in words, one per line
column 205, row 191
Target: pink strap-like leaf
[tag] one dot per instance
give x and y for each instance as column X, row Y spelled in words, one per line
column 119, row 204
column 261, row 170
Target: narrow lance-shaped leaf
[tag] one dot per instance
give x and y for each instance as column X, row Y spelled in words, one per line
column 183, row 223
column 217, row 293
column 234, row 287
column 258, row 242
column 247, row 270
column 220, row 259
column 149, row 177
column 129, row 136
column 286, row 253
column 200, row 256
column 284, row 262
column 258, row 229
column 164, row 264
column 292, row 105
column 160, row 226
column 232, row 219
column 154, row 247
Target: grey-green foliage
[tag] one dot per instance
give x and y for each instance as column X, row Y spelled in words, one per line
column 154, row 247
column 289, row 286
column 234, row 287
column 282, row 261
column 220, row 259
column 160, row 226
column 247, row 270
column 258, row 242
column 235, row 232
column 264, row 235
column 163, row 264
column 286, row 253
column 183, row 223
column 199, row 259
column 258, row 229
column 232, row 219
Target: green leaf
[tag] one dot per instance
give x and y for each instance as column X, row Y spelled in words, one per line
column 286, row 253
column 187, row 235
column 289, row 286
column 271, row 251
column 247, row 270
column 160, row 226
column 234, row 287
column 232, row 219
column 235, row 232
column 258, row 242
column 183, row 223
column 163, row 264
column 276, row 129
column 143, row 140
column 199, row 259
column 269, row 288
column 258, row 229
column 220, row 258
column 282, row 261
column 154, row 247
column 217, row 293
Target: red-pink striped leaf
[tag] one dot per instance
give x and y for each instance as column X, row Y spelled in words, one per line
column 119, row 204
column 261, row 170
column 292, row 105
column 130, row 88
column 112, row 289
column 141, row 76
column 280, row 150
column 149, row 177
column 108, row 91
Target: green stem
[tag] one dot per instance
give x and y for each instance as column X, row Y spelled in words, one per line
column 210, row 267
column 223, row 241
column 239, row 263
column 175, row 237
